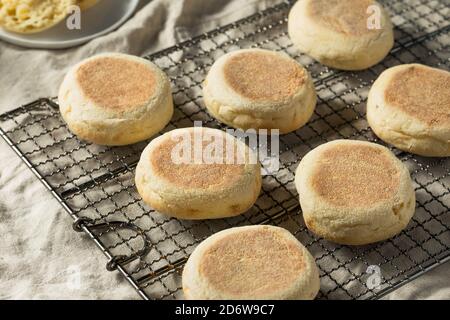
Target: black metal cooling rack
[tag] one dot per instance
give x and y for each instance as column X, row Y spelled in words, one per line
column 95, row 184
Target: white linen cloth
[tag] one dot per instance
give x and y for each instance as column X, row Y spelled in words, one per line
column 39, row 252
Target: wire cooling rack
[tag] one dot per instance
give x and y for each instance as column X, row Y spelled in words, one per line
column 95, row 184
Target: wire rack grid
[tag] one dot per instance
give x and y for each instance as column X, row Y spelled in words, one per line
column 95, row 184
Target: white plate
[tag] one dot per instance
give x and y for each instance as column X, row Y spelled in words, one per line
column 102, row 18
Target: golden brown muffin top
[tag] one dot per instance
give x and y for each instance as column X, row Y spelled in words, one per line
column 355, row 175
column 252, row 263
column 116, row 83
column 260, row 75
column 344, row 16
column 423, row 93
column 194, row 175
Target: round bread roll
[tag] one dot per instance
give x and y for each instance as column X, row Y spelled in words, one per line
column 31, row 16
column 115, row 99
column 342, row 34
column 354, row 192
column 220, row 178
column 252, row 262
column 259, row 89
column 409, row 107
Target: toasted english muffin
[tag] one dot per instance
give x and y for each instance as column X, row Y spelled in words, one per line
column 31, row 16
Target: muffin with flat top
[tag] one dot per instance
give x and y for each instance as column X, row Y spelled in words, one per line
column 253, row 262
column 198, row 173
column 115, row 99
column 259, row 89
column 343, row 34
column 354, row 192
column 409, row 107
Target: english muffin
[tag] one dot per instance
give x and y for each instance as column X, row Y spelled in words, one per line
column 354, row 192
column 343, row 34
column 409, row 107
column 253, row 262
column 31, row 16
column 115, row 99
column 198, row 173
column 259, row 89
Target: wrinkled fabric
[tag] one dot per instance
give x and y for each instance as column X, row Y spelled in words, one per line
column 41, row 257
